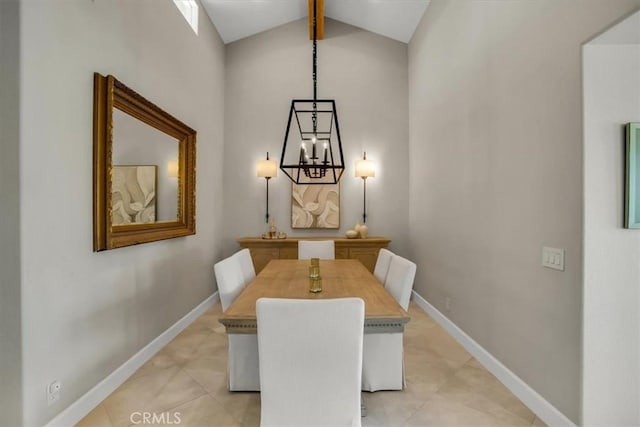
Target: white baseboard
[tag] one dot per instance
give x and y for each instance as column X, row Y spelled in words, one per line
column 538, row 404
column 81, row 407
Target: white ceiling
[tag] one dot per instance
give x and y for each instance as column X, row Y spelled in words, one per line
column 236, row 19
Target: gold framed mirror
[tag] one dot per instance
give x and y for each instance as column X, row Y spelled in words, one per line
column 143, row 169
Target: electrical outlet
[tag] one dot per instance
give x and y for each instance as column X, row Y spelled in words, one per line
column 53, row 392
column 447, row 303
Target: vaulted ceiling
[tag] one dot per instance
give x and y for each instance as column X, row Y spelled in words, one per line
column 237, row 19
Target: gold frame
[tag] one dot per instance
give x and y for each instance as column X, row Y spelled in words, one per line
column 110, row 93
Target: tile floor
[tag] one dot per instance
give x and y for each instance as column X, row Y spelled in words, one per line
column 445, row 386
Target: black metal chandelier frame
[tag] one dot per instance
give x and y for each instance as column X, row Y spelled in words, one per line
column 319, row 164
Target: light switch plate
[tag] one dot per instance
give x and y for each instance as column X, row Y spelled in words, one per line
column 553, row 258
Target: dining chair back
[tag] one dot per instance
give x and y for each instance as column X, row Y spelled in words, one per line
column 230, row 280
column 242, row 367
column 323, row 249
column 246, row 265
column 399, row 281
column 382, row 265
column 383, row 354
column 310, row 361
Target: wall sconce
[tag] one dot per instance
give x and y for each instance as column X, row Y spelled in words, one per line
column 365, row 169
column 172, row 168
column 267, row 169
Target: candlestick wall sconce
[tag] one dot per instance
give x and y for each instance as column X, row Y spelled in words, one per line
column 365, row 169
column 267, row 169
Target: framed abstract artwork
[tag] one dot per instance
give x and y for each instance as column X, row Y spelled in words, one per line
column 133, row 194
column 632, row 176
column 315, row 206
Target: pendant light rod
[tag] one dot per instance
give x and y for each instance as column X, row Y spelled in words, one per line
column 314, row 115
column 315, row 51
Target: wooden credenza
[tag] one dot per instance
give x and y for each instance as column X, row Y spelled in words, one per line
column 264, row 250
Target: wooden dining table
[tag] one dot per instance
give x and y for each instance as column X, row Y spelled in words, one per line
column 287, row 278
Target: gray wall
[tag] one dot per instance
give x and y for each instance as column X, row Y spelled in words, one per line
column 10, row 329
column 86, row 313
column 367, row 76
column 611, row 340
column 496, row 173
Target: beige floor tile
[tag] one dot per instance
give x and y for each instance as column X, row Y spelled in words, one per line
column 179, row 389
column 96, row 418
column 183, row 347
column 392, row 408
column 136, row 394
column 479, row 389
column 214, row 345
column 215, row 309
column 436, row 343
column 210, row 373
column 474, row 363
column 442, row 412
column 157, row 363
column 428, row 376
column 417, row 361
column 244, row 407
column 152, row 393
column 203, row 411
column 537, row 422
column 209, row 321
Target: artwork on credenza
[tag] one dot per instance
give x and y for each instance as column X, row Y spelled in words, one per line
column 315, row 206
column 133, row 194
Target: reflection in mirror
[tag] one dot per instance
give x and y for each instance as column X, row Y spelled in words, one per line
column 142, row 189
column 143, row 171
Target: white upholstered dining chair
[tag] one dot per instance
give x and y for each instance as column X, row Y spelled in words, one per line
column 230, row 280
column 246, row 265
column 242, row 366
column 399, row 281
column 383, row 354
column 323, row 249
column 310, row 361
column 382, row 265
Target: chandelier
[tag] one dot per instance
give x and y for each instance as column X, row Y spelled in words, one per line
column 312, row 149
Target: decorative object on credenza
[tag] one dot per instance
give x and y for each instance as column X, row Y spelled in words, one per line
column 632, row 176
column 362, row 230
column 312, row 148
column 273, row 233
column 315, row 206
column 267, row 169
column 365, row 169
column 351, row 234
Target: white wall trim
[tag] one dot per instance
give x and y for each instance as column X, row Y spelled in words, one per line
column 81, row 407
column 538, row 404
